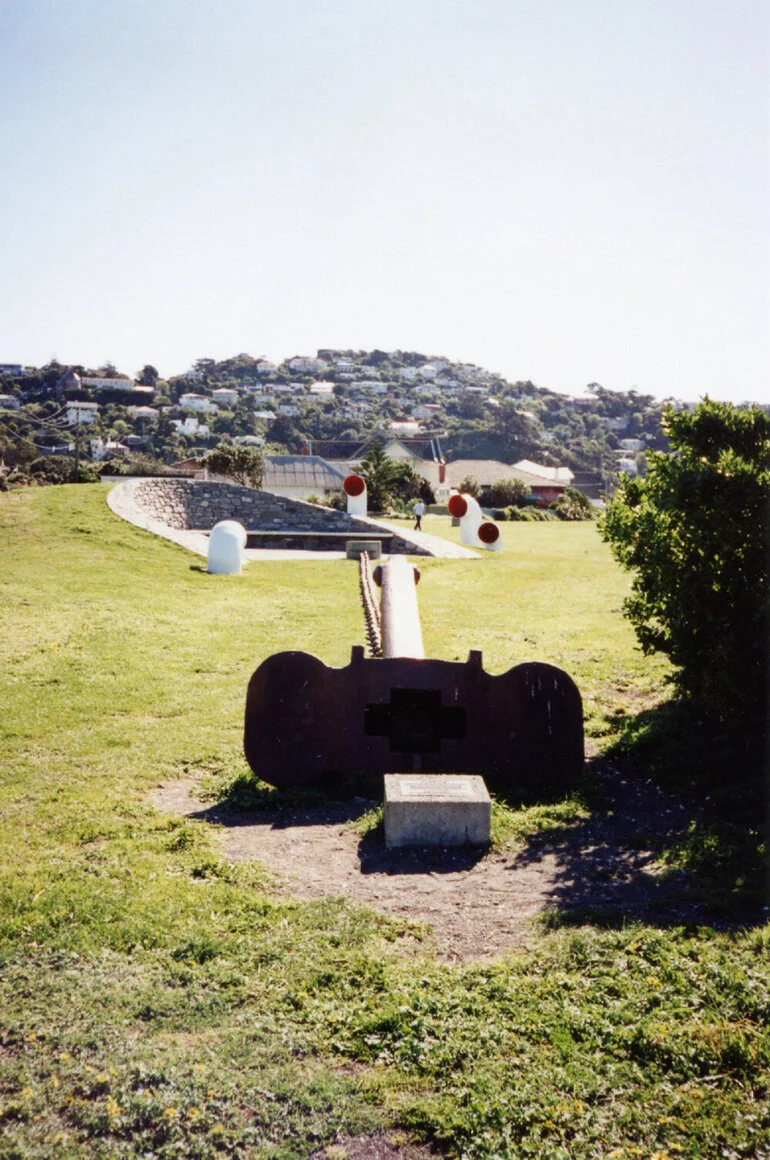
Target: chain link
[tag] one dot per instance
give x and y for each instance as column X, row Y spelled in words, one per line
column 371, row 606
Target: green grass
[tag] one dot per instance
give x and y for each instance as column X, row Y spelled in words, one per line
column 158, row 1001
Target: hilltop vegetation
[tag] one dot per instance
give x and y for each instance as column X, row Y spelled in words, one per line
column 340, row 395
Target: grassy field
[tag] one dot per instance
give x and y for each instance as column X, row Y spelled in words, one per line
column 159, row 1002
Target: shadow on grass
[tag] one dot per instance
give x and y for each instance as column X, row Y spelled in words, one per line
column 677, row 829
column 668, row 828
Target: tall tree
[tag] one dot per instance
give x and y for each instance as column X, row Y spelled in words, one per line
column 148, row 376
column 245, row 465
column 695, row 533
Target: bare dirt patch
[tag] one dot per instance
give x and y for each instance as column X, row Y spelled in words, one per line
column 477, row 903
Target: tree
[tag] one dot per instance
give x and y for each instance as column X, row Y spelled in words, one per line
column 148, row 376
column 243, row 464
column 379, row 471
column 469, row 485
column 408, row 484
column 508, row 493
column 573, row 505
column 514, row 428
column 695, row 532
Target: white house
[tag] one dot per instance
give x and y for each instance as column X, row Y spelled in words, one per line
column 322, row 387
column 14, row 369
column 9, row 403
column 109, row 384
column 143, row 412
column 288, row 409
column 263, row 366
column 301, row 362
column 628, row 466
column 190, row 426
column 404, row 427
column 193, row 402
column 409, row 374
column 225, row 396
column 426, row 410
column 372, row 387
column 632, row 444
column 428, row 371
column 82, row 412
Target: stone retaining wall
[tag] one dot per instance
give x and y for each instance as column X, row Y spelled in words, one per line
column 198, row 504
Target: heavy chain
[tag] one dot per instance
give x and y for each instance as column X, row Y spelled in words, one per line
column 371, row 606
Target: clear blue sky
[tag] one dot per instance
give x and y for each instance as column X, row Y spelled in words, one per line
column 561, row 190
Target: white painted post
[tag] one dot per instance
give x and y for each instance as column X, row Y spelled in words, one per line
column 227, row 540
column 355, row 489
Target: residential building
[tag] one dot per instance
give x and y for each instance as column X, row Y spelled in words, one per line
column 263, row 366
column 409, row 374
column 404, row 427
column 107, row 384
column 79, row 412
column 193, row 402
column 14, row 369
column 547, row 483
column 304, row 363
column 143, row 412
column 9, row 403
column 224, row 396
column 290, row 409
column 322, row 387
column 190, row 426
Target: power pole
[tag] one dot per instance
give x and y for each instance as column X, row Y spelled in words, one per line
column 77, row 448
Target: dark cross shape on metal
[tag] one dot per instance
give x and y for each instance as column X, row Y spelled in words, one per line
column 414, row 721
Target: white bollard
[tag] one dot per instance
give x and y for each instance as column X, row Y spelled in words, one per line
column 355, row 489
column 474, row 529
column 227, row 540
column 490, row 537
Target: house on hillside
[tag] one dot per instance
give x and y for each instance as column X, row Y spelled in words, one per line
column 192, row 402
column 225, row 396
column 80, row 412
column 263, row 366
column 108, row 384
column 547, row 483
column 302, row 363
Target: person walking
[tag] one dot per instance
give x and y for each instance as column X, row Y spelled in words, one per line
column 419, row 511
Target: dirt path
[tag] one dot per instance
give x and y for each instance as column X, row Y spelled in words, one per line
column 478, row 905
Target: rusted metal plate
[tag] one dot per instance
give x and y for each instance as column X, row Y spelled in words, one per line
column 306, row 722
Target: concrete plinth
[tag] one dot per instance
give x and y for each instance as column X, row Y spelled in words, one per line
column 436, row 809
column 354, row 548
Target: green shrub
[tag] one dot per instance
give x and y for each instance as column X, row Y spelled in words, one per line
column 60, row 469
column 694, row 532
column 573, row 505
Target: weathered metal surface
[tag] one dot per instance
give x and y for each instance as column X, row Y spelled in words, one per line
column 401, row 629
column 306, row 721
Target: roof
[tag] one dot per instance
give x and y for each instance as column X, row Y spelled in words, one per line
column 557, row 474
column 300, row 471
column 489, row 471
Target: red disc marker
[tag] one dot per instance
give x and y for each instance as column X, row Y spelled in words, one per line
column 489, row 533
column 354, row 485
column 458, row 506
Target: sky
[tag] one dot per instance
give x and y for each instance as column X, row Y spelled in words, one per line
column 567, row 191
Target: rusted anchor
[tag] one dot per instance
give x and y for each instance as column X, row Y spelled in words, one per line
column 307, row 723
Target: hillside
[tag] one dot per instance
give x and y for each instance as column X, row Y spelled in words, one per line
column 336, row 394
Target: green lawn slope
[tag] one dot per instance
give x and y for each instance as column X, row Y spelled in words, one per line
column 157, row 1001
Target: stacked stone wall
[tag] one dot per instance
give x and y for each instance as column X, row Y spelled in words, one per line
column 189, row 504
